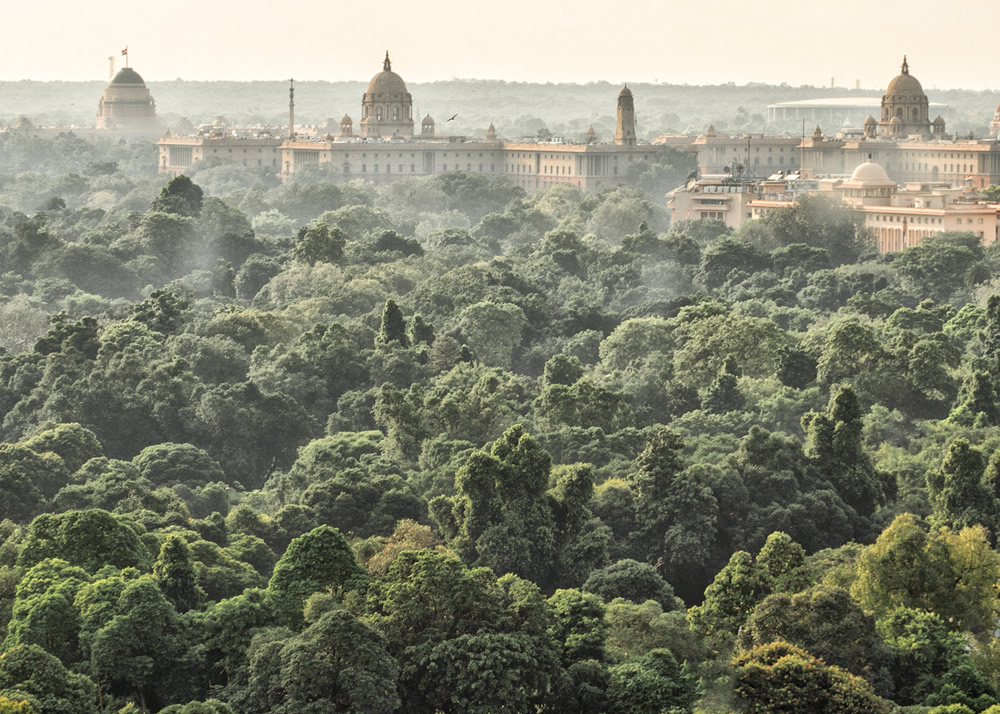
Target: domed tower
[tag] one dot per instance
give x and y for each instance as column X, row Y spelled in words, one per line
column 995, row 124
column 346, row 126
column 387, row 108
column 625, row 129
column 905, row 102
column 870, row 127
column 126, row 104
column 491, row 133
column 427, row 127
column 591, row 136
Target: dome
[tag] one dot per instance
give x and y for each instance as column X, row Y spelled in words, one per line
column 939, row 121
column 386, row 82
column 428, row 119
column 128, row 75
column 626, row 92
column 904, row 83
column 870, row 121
column 346, row 119
column 869, row 174
column 895, row 121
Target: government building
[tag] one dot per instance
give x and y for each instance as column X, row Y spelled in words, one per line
column 389, row 144
column 902, row 172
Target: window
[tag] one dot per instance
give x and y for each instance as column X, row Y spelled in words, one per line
column 378, row 114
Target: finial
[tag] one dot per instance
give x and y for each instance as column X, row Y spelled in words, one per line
column 906, row 67
column 387, row 65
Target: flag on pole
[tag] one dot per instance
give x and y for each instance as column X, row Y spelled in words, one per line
column 125, row 51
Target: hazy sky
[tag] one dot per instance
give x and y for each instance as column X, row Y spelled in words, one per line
column 689, row 41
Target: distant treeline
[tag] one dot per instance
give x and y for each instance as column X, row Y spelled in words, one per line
column 517, row 109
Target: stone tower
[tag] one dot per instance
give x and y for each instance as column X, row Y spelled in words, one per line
column 625, row 130
column 387, row 108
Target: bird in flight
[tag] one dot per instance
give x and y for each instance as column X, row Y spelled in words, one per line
column 453, row 116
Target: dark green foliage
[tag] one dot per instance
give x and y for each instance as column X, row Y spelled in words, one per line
column 652, row 683
column 337, row 664
column 320, row 243
column 181, row 195
column 633, row 581
column 393, row 327
column 174, row 572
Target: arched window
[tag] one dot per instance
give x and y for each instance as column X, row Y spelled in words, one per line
column 899, row 112
column 395, row 113
column 364, row 112
column 378, row 114
column 916, row 114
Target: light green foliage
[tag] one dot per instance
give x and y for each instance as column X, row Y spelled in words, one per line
column 73, row 443
column 90, row 539
column 319, row 560
column 30, row 670
column 779, row 678
column 951, row 574
column 827, row 623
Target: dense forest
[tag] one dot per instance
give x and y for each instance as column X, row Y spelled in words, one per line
column 443, row 446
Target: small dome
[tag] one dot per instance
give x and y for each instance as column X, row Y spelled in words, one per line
column 428, row 119
column 346, row 119
column 939, row 121
column 128, row 75
column 895, row 121
column 626, row 92
column 870, row 121
column 869, row 174
column 904, row 83
column 386, row 82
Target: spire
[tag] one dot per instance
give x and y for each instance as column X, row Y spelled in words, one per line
column 906, row 67
column 387, row 65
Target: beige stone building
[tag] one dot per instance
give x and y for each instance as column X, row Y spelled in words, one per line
column 906, row 143
column 899, row 218
column 387, row 149
column 755, row 154
column 127, row 106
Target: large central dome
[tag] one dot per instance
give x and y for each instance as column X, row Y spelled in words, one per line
column 905, row 83
column 127, row 75
column 387, row 108
column 386, row 83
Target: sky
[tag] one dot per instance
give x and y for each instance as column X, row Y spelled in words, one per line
column 665, row 41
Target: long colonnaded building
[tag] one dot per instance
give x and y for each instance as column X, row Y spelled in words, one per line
column 388, row 147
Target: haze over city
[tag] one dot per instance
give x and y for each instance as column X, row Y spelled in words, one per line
column 519, row 40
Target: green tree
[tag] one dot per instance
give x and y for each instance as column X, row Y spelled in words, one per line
column 320, row 243
column 779, row 678
column 181, row 195
column 174, row 572
column 337, row 664
column 393, row 326
column 951, row 574
column 957, row 490
column 90, row 539
column 317, row 561
column 30, row 670
column 652, row 683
